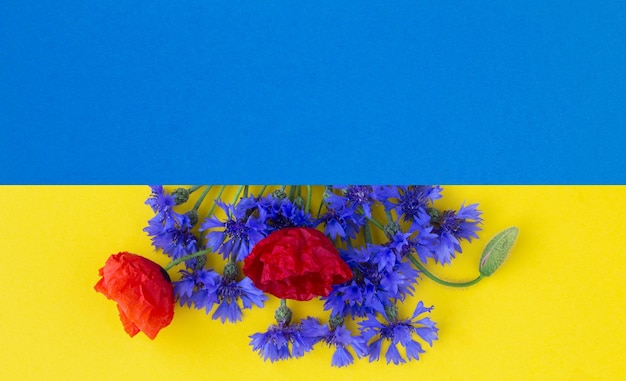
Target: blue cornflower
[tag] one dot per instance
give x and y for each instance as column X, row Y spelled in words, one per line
column 373, row 287
column 450, row 227
column 159, row 200
column 230, row 292
column 198, row 288
column 239, row 232
column 337, row 336
column 176, row 241
column 343, row 223
column 205, row 288
column 411, row 202
column 162, row 204
column 404, row 244
column 355, row 197
column 186, row 286
column 175, row 238
column 281, row 342
column 278, row 213
column 396, row 332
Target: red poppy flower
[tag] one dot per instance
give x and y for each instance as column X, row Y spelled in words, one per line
column 296, row 263
column 142, row 290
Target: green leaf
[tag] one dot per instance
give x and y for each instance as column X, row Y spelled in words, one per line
column 497, row 250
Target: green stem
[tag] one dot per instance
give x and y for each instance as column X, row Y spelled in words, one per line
column 389, row 215
column 194, row 188
column 262, row 190
column 292, row 192
column 367, row 233
column 441, row 281
column 237, row 195
column 319, row 210
column 308, row 198
column 201, row 198
column 377, row 223
column 219, row 194
column 186, row 258
column 245, row 191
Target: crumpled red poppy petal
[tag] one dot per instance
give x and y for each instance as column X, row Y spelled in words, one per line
column 296, row 263
column 144, row 297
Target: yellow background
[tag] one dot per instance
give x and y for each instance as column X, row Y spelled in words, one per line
column 554, row 311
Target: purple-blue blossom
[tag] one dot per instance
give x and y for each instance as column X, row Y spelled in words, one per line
column 410, row 202
column 356, row 198
column 396, row 331
column 343, row 223
column 373, row 287
column 337, row 336
column 235, row 236
column 162, row 204
column 450, row 227
column 205, row 288
column 281, row 342
column 170, row 231
column 278, row 213
column 176, row 240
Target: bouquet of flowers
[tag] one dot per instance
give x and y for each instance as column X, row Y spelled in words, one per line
column 273, row 241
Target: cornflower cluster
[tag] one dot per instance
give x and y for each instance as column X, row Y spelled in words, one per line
column 382, row 273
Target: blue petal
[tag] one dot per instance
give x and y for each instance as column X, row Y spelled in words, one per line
column 341, row 357
column 420, row 309
column 393, row 355
column 413, row 350
column 374, row 350
column 228, row 311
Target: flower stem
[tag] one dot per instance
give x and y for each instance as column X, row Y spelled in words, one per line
column 308, row 198
column 245, row 191
column 186, row 258
column 292, row 192
column 201, row 198
column 367, row 233
column 389, row 215
column 262, row 190
column 237, row 195
column 441, row 281
column 377, row 223
column 219, row 194
column 194, row 188
column 326, row 189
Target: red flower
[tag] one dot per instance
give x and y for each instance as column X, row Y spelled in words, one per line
column 296, row 263
column 142, row 290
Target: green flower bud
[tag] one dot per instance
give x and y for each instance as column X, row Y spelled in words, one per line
column 435, row 215
column 181, row 196
column 392, row 313
column 279, row 194
column 231, row 271
column 193, row 216
column 283, row 314
column 391, row 229
column 497, row 250
column 299, row 202
column 335, row 321
column 200, row 262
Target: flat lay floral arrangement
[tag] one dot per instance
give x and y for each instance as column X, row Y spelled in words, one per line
column 361, row 250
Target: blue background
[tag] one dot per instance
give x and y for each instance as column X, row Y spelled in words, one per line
column 125, row 92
